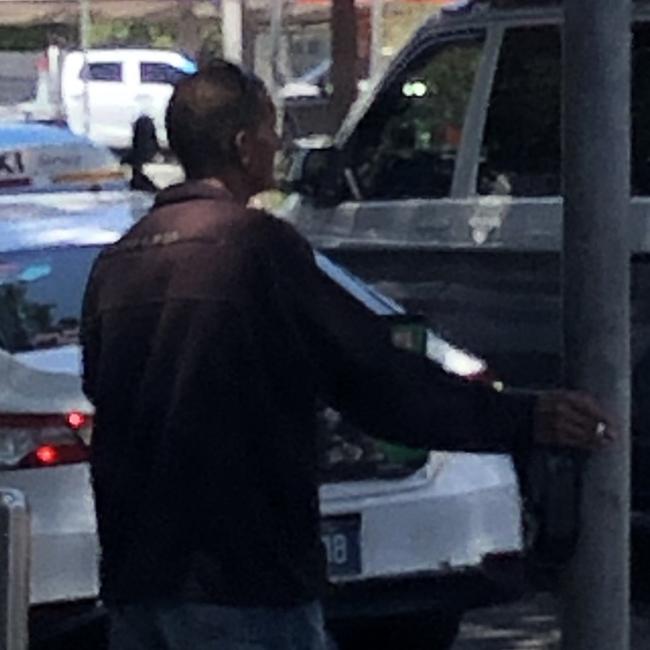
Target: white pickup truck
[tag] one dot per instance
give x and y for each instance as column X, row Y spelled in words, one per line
column 104, row 91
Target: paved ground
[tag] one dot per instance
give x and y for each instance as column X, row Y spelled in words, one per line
column 532, row 625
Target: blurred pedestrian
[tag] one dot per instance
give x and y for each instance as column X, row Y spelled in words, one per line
column 144, row 147
column 209, row 333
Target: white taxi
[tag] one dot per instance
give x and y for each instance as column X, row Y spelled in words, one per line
column 46, row 158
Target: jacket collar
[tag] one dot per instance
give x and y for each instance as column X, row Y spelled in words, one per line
column 192, row 190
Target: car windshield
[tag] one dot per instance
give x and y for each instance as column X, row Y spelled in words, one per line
column 40, row 296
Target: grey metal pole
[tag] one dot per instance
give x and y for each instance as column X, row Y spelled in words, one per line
column 376, row 36
column 14, row 570
column 276, row 38
column 277, row 7
column 84, row 43
column 596, row 280
column 232, row 25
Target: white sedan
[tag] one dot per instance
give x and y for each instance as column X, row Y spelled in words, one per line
column 406, row 531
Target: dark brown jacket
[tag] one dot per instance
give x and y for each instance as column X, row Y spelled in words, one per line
column 209, row 333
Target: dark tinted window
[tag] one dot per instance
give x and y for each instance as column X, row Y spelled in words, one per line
column 522, row 146
column 160, row 73
column 406, row 145
column 40, row 297
column 103, row 72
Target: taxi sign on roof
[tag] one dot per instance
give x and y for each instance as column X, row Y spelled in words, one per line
column 39, row 157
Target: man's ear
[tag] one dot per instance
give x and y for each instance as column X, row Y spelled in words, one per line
column 243, row 148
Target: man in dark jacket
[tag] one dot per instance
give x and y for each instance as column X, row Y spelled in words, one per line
column 209, row 333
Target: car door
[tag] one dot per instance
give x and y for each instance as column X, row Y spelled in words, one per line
column 110, row 86
column 156, row 83
column 402, row 166
column 414, row 223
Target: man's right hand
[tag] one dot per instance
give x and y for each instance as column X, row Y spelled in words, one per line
column 567, row 418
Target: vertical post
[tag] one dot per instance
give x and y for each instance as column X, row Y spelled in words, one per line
column 276, row 50
column 376, row 37
column 14, row 570
column 344, row 59
column 54, row 59
column 276, row 41
column 84, row 44
column 232, row 25
column 596, row 280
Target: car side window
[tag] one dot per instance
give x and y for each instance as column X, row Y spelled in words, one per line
column 160, row 73
column 104, row 71
column 406, row 145
column 641, row 110
column 521, row 153
column 526, row 160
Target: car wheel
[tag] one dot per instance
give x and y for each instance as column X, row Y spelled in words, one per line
column 435, row 632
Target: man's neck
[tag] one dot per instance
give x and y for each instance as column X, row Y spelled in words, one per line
column 234, row 183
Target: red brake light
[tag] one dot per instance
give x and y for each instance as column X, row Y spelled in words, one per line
column 47, row 455
column 32, row 440
column 54, row 455
column 75, row 420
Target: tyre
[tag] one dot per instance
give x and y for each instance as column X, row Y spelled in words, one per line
column 435, row 632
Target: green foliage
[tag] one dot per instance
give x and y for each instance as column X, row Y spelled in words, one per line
column 122, row 32
column 32, row 38
column 138, row 33
column 211, row 41
column 126, row 32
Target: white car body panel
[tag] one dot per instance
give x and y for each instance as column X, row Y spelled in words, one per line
column 64, row 553
column 436, row 521
column 25, row 389
column 64, row 550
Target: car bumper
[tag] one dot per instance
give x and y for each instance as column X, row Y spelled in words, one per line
column 64, row 546
column 447, row 517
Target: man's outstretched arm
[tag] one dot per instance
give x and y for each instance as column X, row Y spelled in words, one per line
column 402, row 396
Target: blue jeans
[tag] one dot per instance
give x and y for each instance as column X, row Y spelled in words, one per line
column 195, row 626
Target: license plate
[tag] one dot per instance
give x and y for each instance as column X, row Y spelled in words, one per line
column 341, row 538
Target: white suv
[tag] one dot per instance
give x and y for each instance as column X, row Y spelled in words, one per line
column 118, row 86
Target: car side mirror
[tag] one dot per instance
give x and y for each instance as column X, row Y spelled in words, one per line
column 317, row 173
